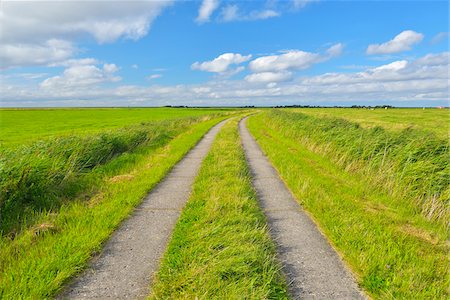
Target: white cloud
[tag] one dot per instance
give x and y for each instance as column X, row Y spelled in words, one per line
column 263, row 14
column 221, row 63
column 269, row 77
column 154, row 76
column 441, row 36
column 103, row 20
column 430, row 68
column 414, row 82
column 231, row 13
column 206, row 10
column 402, row 42
column 301, row 3
column 335, row 50
column 51, row 51
column 76, row 62
column 29, row 29
column 81, row 76
column 394, row 66
column 292, row 60
column 433, row 60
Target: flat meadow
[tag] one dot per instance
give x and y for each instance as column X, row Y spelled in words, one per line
column 69, row 177
column 375, row 182
column 24, row 125
column 428, row 119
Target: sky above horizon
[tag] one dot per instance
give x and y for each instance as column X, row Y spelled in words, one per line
column 224, row 53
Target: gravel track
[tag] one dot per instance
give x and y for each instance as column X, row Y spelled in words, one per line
column 312, row 267
column 125, row 267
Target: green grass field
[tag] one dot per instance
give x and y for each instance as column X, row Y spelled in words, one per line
column 381, row 197
column 376, row 182
column 63, row 238
column 429, row 119
column 23, row 125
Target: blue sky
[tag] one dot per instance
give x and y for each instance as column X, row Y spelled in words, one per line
column 214, row 53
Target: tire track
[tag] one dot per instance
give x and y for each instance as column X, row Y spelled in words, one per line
column 132, row 255
column 313, row 269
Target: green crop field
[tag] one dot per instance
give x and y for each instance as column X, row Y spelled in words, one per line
column 376, row 183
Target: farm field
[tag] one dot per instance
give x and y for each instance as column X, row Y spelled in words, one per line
column 61, row 198
column 428, row 119
column 212, row 149
column 376, row 187
column 24, row 125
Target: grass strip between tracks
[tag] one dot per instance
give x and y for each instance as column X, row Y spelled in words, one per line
column 221, row 247
column 41, row 259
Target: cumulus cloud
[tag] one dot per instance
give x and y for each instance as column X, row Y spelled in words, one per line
column 269, row 77
column 430, row 68
column 51, row 51
column 401, row 42
column 57, row 25
column 292, row 60
column 81, row 76
column 405, row 82
column 335, row 50
column 222, row 63
column 206, row 9
column 231, row 13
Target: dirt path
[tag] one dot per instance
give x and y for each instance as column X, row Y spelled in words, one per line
column 132, row 255
column 312, row 267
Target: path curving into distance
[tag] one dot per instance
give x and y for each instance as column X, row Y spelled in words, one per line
column 132, row 255
column 312, row 267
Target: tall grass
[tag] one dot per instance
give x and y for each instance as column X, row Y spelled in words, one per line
column 44, row 174
column 393, row 249
column 411, row 165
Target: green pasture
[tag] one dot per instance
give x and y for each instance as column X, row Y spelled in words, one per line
column 428, row 119
column 19, row 126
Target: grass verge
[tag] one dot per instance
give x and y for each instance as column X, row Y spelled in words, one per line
column 221, row 247
column 394, row 251
column 411, row 165
column 44, row 175
column 37, row 262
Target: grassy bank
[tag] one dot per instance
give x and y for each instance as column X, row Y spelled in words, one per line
column 395, row 251
column 411, row 165
column 41, row 176
column 220, row 247
column 39, row 259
